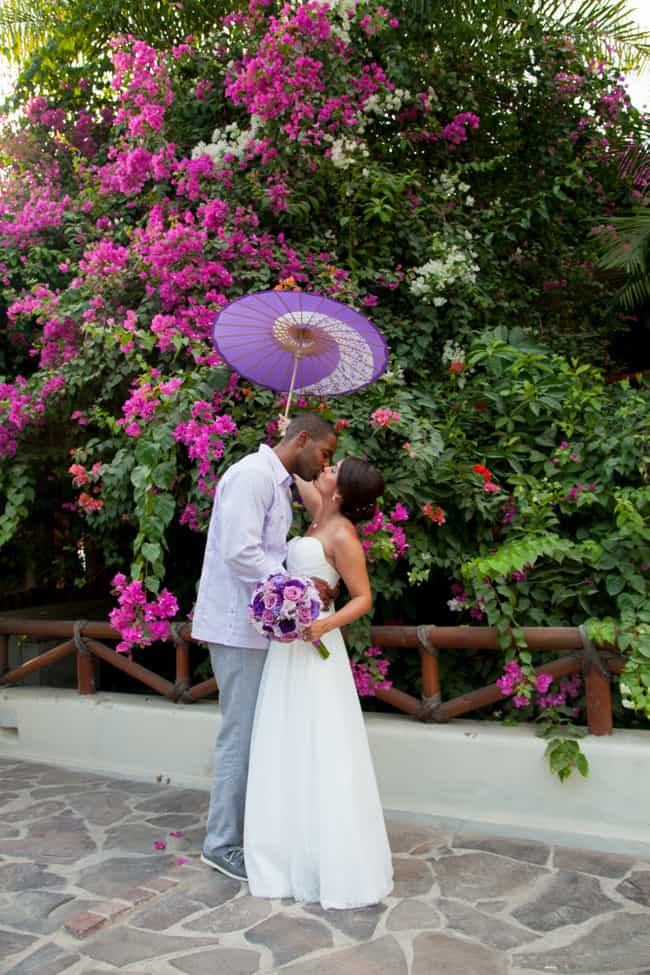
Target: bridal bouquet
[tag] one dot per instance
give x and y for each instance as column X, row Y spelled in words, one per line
column 282, row 608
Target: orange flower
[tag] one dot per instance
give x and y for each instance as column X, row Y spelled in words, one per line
column 90, row 504
column 434, row 513
column 287, row 284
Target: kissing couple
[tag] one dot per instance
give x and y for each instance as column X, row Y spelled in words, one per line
column 294, row 807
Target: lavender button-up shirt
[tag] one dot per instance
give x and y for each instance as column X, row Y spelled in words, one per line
column 247, row 540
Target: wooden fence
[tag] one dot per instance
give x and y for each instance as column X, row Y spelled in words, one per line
column 82, row 638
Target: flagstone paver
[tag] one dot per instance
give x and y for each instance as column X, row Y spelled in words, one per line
column 567, row 898
column 359, row 923
column 406, row 837
column 12, row 942
column 486, row 929
column 32, row 910
column 381, row 957
column 47, row 960
column 213, row 889
column 174, row 821
column 219, row 961
column 290, row 937
column 636, row 887
column 620, row 944
column 38, row 811
column 236, row 915
column 97, row 811
column 600, row 864
column 412, row 915
column 515, row 849
column 166, row 912
column 132, row 945
column 24, row 875
column 114, row 875
column 412, row 877
column 58, row 839
column 84, row 891
column 475, row 876
column 435, row 953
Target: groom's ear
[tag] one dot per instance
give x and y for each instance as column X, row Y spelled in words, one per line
column 303, row 439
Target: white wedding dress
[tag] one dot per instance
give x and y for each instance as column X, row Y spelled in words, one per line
column 314, row 827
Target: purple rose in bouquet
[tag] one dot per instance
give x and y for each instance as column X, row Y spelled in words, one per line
column 282, row 608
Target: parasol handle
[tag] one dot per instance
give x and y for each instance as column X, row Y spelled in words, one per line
column 296, row 360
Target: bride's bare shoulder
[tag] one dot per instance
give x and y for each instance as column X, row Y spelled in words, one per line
column 346, row 535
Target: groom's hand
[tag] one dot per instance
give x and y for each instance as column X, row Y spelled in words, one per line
column 326, row 594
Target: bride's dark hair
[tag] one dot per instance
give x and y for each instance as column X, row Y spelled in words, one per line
column 359, row 485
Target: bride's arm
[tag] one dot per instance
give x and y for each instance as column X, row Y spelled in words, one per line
column 351, row 561
column 308, row 495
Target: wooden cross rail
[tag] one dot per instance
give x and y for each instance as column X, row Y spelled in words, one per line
column 82, row 639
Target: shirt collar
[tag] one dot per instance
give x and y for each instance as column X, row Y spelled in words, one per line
column 280, row 473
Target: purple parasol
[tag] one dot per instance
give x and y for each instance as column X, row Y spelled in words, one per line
column 295, row 341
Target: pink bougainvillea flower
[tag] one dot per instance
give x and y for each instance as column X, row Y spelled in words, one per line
column 160, row 845
column 370, row 674
column 182, row 861
column 177, row 832
column 400, row 512
column 383, row 417
column 409, row 450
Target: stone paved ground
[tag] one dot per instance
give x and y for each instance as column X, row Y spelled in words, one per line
column 84, row 890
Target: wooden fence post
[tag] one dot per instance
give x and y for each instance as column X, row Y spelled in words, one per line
column 85, row 661
column 597, row 688
column 431, row 695
column 4, row 654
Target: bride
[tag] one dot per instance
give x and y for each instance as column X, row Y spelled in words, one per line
column 314, row 828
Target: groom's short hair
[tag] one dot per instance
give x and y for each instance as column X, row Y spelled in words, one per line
column 312, row 423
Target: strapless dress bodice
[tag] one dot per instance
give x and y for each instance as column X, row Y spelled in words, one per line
column 306, row 557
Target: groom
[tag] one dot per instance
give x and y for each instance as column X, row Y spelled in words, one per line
column 247, row 540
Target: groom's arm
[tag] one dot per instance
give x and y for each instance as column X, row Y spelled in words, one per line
column 245, row 503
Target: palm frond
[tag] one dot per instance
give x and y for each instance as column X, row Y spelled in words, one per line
column 75, row 27
column 630, row 254
column 606, row 26
column 25, row 26
column 635, row 163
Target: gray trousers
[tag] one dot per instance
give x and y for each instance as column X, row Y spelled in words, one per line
column 238, row 672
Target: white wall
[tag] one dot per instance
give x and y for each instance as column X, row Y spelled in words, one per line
column 467, row 774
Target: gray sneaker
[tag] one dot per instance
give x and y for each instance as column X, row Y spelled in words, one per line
column 231, row 863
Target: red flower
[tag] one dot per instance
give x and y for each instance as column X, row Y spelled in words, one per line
column 483, row 471
column 434, row 513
